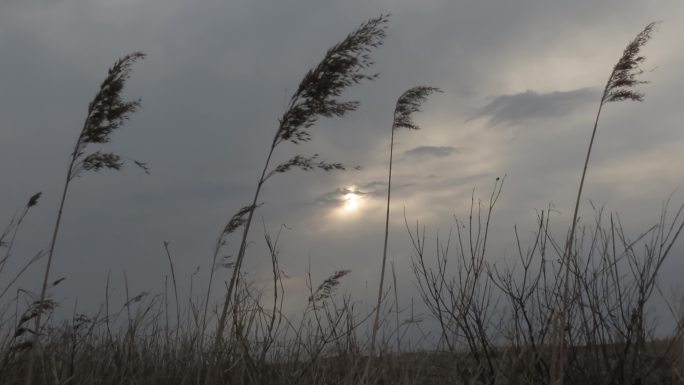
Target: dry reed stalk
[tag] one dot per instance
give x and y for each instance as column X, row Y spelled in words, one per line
column 620, row 86
column 316, row 97
column 13, row 228
column 107, row 112
column 408, row 103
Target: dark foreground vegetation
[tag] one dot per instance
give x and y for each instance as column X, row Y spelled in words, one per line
column 571, row 310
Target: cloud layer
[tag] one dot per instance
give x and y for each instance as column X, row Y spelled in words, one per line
column 530, row 105
column 219, row 74
column 432, row 151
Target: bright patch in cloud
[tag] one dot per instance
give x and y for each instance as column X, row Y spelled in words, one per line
column 351, row 201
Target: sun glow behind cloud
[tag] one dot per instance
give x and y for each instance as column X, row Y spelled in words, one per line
column 351, row 201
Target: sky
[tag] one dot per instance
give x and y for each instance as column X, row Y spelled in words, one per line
column 521, row 83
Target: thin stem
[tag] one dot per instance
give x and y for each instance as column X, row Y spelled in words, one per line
column 558, row 363
column 46, row 276
column 396, row 307
column 376, row 321
column 212, row 269
column 238, row 264
column 175, row 289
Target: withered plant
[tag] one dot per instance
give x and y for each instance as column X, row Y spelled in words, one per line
column 317, row 96
column 621, row 85
column 7, row 239
column 107, row 112
column 408, row 103
column 495, row 320
column 9, row 235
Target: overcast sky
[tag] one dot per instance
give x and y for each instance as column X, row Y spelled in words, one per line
column 521, row 82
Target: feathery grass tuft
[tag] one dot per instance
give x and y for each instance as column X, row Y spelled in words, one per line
column 623, row 80
column 305, row 163
column 107, row 112
column 327, row 287
column 343, row 66
column 408, row 104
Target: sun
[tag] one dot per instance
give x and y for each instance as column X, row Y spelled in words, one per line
column 351, row 201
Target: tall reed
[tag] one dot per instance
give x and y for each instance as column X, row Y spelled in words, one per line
column 316, row 97
column 621, row 85
column 107, row 112
column 408, row 103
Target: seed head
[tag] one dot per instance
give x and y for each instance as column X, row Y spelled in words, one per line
column 343, row 65
column 408, row 103
column 623, row 80
column 106, row 113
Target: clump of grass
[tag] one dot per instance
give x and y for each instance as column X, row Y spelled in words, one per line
column 621, row 85
column 107, row 112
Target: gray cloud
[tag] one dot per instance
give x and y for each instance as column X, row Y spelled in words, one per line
column 370, row 189
column 530, row 105
column 432, row 151
column 219, row 74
